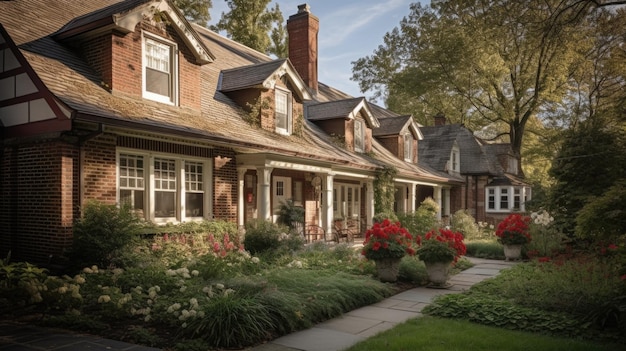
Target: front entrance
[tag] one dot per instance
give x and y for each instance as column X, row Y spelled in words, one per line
column 281, row 188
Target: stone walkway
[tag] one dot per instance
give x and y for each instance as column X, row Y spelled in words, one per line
column 335, row 334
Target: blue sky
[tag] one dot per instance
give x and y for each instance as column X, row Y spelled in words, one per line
column 349, row 30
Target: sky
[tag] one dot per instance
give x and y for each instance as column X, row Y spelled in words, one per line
column 349, row 30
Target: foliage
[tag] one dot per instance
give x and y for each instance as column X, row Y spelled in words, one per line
column 387, row 240
column 443, row 245
column 195, row 10
column 604, row 217
column 101, row 233
column 461, row 221
column 384, row 193
column 441, row 334
column 251, row 22
column 547, row 240
column 412, row 270
column 589, row 150
column 490, row 249
column 290, row 214
column 578, row 285
column 449, row 57
column 423, row 219
column 497, row 311
column 262, row 236
column 514, row 230
column 20, row 284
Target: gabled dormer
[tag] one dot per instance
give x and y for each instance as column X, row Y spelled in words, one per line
column 349, row 120
column 505, row 157
column 272, row 91
column 400, row 135
column 454, row 164
column 142, row 49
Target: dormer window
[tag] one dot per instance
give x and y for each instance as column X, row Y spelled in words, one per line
column 408, row 147
column 359, row 137
column 160, row 69
column 283, row 112
column 455, row 160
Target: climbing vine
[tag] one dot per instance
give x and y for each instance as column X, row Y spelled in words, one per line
column 384, row 192
column 256, row 109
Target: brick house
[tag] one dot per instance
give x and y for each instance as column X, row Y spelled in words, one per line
column 493, row 182
column 127, row 102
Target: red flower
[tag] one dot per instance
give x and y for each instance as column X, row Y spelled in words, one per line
column 514, row 229
column 387, row 239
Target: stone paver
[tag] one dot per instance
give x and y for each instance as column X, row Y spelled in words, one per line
column 333, row 335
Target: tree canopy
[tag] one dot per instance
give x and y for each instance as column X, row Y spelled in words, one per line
column 483, row 63
column 195, row 10
column 251, row 23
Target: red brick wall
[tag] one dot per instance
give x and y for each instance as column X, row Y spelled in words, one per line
column 303, row 30
column 98, row 179
column 225, row 185
column 39, row 200
column 118, row 58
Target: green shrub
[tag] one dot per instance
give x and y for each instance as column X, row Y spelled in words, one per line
column 262, row 236
column 490, row 249
column 290, row 214
column 461, row 221
column 101, row 234
column 412, row 270
column 21, row 284
column 422, row 220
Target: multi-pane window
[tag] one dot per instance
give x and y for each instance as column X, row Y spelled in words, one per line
column 132, row 181
column 408, row 147
column 359, row 138
column 283, row 111
column 159, row 71
column 164, row 188
column 506, row 198
column 194, row 189
column 455, row 160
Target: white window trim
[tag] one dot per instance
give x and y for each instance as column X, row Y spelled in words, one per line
column 171, row 100
column 408, row 147
column 524, row 196
column 149, row 192
column 361, row 136
column 455, row 166
column 285, row 131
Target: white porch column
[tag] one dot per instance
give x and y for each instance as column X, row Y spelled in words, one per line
column 437, row 195
column 412, row 197
column 327, row 205
column 264, row 180
column 240, row 196
column 446, row 201
column 369, row 204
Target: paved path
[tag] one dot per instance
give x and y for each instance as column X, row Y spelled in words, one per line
column 335, row 334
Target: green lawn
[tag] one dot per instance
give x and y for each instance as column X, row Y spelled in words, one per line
column 437, row 334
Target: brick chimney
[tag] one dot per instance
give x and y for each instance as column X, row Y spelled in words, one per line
column 440, row 119
column 302, row 29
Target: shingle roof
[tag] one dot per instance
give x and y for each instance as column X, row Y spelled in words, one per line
column 392, row 125
column 248, row 76
column 220, row 119
column 438, row 141
column 333, row 109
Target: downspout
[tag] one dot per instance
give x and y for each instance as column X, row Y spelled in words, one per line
column 466, row 192
column 476, row 196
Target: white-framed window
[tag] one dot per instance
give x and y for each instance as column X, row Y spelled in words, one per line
column 455, row 159
column 160, row 70
column 408, row 147
column 507, row 198
column 283, row 112
column 359, row 136
column 346, row 201
column 164, row 188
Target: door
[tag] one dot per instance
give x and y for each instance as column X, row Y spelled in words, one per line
column 281, row 191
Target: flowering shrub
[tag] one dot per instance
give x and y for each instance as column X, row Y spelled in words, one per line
column 442, row 245
column 514, row 230
column 387, row 240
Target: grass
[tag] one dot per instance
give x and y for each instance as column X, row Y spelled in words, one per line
column 438, row 334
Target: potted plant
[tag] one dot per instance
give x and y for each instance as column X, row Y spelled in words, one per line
column 386, row 243
column 439, row 249
column 513, row 232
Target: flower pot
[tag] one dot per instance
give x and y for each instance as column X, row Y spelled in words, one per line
column 388, row 268
column 438, row 273
column 512, row 252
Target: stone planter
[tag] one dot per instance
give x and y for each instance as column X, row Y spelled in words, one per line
column 387, row 269
column 438, row 273
column 512, row 252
